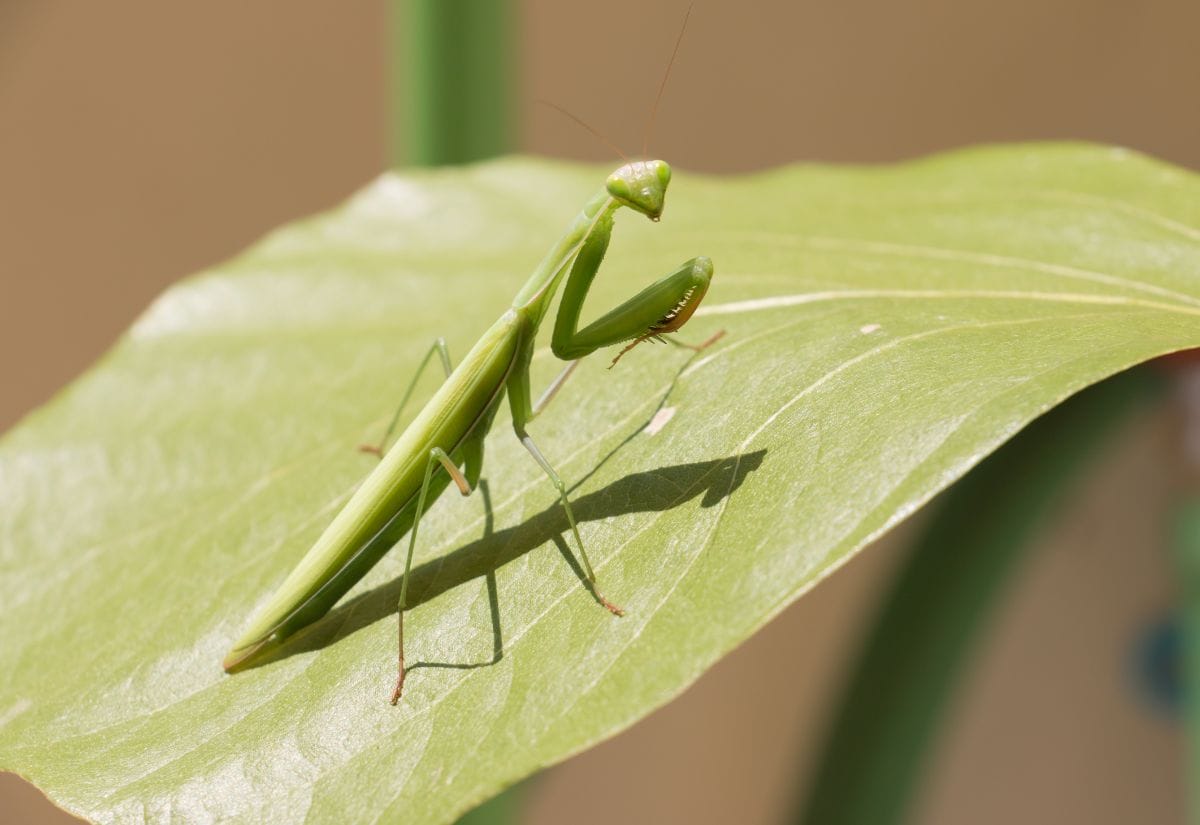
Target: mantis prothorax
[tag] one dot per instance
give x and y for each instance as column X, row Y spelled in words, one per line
column 445, row 440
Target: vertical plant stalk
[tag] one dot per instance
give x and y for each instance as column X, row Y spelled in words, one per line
column 931, row 621
column 1187, row 558
column 451, row 78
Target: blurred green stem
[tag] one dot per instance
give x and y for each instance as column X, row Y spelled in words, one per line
column 450, row 81
column 1187, row 558
column 931, row 621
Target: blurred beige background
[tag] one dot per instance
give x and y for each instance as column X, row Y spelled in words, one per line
column 141, row 141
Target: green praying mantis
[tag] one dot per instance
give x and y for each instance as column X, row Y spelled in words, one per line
column 444, row 442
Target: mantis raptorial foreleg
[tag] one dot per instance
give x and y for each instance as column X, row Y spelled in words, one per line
column 443, row 351
column 662, row 307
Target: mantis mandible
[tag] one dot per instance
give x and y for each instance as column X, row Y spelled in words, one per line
column 445, row 440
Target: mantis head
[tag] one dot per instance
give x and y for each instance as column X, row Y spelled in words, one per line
column 641, row 185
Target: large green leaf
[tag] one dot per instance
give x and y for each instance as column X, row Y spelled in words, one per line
column 887, row 327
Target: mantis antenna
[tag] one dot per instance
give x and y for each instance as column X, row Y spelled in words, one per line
column 596, row 133
column 663, row 85
column 653, row 110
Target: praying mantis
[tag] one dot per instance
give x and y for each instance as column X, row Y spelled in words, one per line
column 444, row 442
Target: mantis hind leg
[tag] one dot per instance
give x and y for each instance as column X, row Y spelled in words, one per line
column 474, row 458
column 439, row 346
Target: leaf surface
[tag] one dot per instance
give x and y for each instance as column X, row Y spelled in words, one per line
column 886, row 327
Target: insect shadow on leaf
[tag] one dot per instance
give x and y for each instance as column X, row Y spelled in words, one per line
column 655, row 490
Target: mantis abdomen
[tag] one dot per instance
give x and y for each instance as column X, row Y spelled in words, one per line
column 381, row 511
